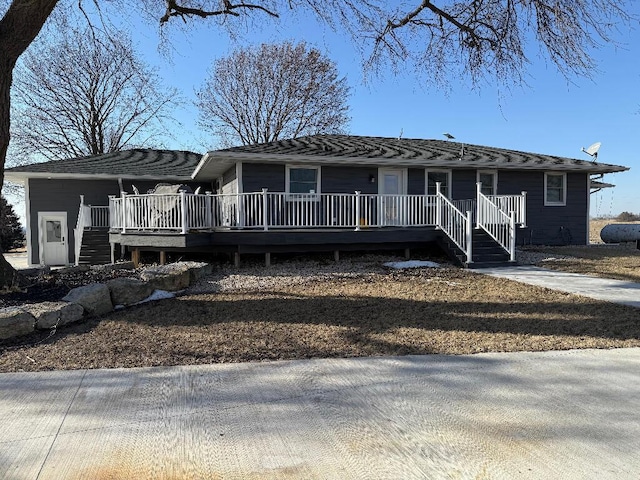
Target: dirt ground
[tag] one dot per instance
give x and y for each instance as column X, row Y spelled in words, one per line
column 377, row 312
column 620, row 261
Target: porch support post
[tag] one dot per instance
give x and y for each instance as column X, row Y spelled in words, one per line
column 113, row 252
column 523, row 213
column 267, row 259
column 123, row 195
column 135, row 257
column 469, row 236
column 512, row 236
column 357, row 198
column 336, row 255
column 163, row 257
column 407, row 253
column 438, row 206
column 265, row 216
column 236, row 259
column 183, row 212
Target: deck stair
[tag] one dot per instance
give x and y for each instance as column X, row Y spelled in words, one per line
column 95, row 249
column 487, row 253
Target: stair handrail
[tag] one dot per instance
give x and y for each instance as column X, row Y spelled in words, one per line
column 499, row 225
column 455, row 224
column 79, row 230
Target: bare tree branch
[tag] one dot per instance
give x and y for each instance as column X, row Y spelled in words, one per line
column 271, row 92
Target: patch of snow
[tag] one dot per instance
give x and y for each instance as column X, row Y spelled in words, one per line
column 412, row 264
column 157, row 295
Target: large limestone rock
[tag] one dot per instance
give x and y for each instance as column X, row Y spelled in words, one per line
column 14, row 321
column 95, row 298
column 127, row 291
column 172, row 277
column 197, row 270
column 49, row 314
column 110, row 267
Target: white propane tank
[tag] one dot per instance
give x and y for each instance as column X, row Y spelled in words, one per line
column 620, row 232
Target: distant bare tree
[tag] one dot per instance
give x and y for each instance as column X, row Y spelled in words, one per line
column 86, row 93
column 273, row 91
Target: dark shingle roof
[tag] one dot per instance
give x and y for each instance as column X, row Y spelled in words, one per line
column 128, row 164
column 409, row 151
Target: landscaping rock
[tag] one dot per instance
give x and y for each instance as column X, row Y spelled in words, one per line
column 73, row 269
column 197, row 270
column 172, row 277
column 14, row 322
column 110, row 267
column 127, row 291
column 95, row 298
column 49, row 314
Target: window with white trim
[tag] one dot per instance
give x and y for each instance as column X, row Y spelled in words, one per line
column 555, row 189
column 302, row 180
column 489, row 180
column 442, row 176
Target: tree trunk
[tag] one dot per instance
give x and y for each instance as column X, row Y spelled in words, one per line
column 20, row 25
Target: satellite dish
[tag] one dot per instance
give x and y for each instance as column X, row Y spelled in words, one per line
column 448, row 135
column 592, row 150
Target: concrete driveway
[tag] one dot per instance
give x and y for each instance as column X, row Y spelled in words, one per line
column 569, row 415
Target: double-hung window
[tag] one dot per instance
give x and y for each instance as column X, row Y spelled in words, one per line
column 302, row 182
column 555, row 189
column 489, row 181
column 441, row 176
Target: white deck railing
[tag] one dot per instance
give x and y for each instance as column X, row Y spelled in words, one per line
column 265, row 210
column 454, row 223
column 499, row 225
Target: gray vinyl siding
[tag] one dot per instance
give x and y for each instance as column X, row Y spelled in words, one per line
column 550, row 225
column 63, row 195
column 349, row 179
column 463, row 184
column 545, row 224
column 229, row 176
column 256, row 176
column 57, row 195
column 416, row 181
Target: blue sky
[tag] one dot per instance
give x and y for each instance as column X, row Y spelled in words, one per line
column 549, row 115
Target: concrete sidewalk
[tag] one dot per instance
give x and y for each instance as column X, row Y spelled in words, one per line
column 616, row 291
column 570, row 415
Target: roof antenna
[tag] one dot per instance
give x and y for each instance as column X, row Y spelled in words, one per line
column 400, row 136
column 449, row 136
column 592, row 151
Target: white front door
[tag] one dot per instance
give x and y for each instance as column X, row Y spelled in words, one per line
column 53, row 238
column 393, row 202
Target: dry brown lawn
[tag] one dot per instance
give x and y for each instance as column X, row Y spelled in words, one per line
column 424, row 311
column 620, row 262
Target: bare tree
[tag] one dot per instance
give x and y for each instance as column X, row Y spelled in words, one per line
column 87, row 93
column 478, row 36
column 264, row 93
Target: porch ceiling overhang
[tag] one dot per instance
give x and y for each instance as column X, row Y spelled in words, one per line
column 215, row 163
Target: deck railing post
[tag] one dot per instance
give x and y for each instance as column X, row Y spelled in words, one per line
column 208, row 217
column 479, row 219
column 123, row 195
column 512, row 236
column 469, row 236
column 523, row 210
column 183, row 212
column 357, row 207
column 265, row 203
column 438, row 206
